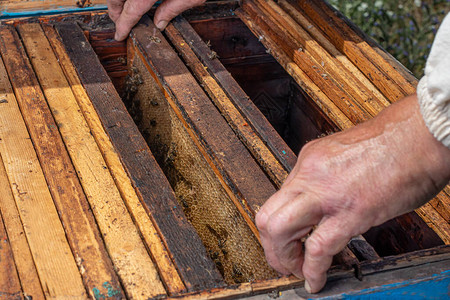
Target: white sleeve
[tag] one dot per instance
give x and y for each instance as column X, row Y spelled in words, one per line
column 433, row 90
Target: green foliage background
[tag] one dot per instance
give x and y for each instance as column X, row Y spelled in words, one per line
column 404, row 28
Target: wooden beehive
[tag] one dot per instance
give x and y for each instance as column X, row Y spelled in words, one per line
column 134, row 169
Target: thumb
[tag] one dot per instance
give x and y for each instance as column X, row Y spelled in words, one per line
column 329, row 238
column 169, row 9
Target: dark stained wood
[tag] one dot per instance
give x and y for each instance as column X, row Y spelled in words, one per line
column 9, row 280
column 239, row 98
column 158, row 252
column 388, row 80
column 362, row 249
column 312, row 68
column 212, row 9
column 234, row 118
column 345, row 78
column 346, row 257
column 403, row 234
column 112, row 54
column 413, row 258
column 233, row 159
column 65, row 187
column 206, row 201
column 195, row 267
column 301, row 78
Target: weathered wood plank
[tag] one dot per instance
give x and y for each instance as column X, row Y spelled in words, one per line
column 51, row 252
column 315, row 32
column 19, row 6
column 435, row 221
column 313, row 69
column 129, row 256
column 331, row 64
column 397, row 73
column 153, row 242
column 387, row 79
column 155, row 193
column 236, row 120
column 9, row 280
column 441, row 203
column 199, row 189
column 318, row 96
column 228, row 152
column 224, row 102
column 26, row 269
column 239, row 98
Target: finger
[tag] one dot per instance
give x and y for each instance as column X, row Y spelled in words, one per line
column 169, row 9
column 287, row 193
column 285, row 228
column 132, row 12
column 115, row 8
column 327, row 240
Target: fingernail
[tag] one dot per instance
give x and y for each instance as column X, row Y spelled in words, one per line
column 116, row 36
column 161, row 25
column 307, row 287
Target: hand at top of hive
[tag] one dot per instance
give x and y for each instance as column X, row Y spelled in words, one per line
column 348, row 182
column 127, row 13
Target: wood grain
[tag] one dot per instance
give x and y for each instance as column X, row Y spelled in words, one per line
column 26, row 269
column 128, row 254
column 331, row 64
column 384, row 76
column 236, row 95
column 314, row 70
column 9, row 280
column 196, row 269
column 435, row 221
column 51, row 252
column 236, row 120
column 316, row 94
column 316, row 34
column 228, row 152
column 153, row 242
column 19, row 6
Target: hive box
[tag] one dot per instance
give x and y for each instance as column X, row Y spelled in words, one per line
column 134, row 169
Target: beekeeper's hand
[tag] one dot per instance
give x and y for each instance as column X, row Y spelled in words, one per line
column 127, row 13
column 348, row 182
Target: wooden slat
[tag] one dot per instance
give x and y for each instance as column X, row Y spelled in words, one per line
column 384, row 76
column 236, row 94
column 227, row 151
column 328, row 46
column 129, row 256
column 236, row 120
column 155, row 193
column 332, row 65
column 20, row 6
column 435, row 221
column 9, row 280
column 153, row 242
column 313, row 69
column 322, row 101
column 52, row 255
column 403, row 79
column 441, row 203
column 215, row 92
column 79, row 223
column 26, row 269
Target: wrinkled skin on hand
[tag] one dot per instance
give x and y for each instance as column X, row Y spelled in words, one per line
column 348, row 182
column 127, row 13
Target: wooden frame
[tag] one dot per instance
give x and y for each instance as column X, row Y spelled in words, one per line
column 95, row 138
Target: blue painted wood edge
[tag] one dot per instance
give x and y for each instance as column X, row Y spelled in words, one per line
column 4, row 14
column 59, row 10
column 436, row 286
